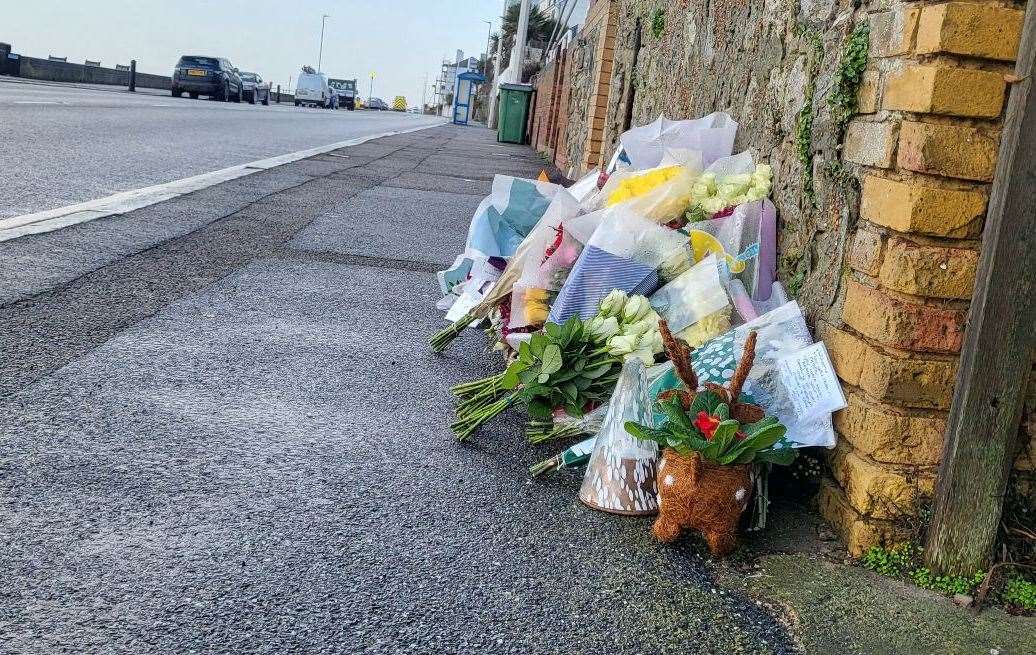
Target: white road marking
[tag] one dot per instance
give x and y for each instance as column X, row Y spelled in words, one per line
column 120, row 203
column 36, row 102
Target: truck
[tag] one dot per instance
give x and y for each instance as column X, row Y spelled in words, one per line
column 346, row 90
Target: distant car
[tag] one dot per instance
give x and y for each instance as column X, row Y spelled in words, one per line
column 313, row 89
column 346, row 91
column 254, row 89
column 377, row 104
column 215, row 77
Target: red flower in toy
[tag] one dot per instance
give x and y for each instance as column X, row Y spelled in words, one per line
column 707, row 424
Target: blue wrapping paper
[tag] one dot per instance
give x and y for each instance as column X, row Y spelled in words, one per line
column 596, row 274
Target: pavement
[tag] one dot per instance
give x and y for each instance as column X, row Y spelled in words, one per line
column 65, row 144
column 223, row 432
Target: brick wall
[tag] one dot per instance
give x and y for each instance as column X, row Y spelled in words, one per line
column 578, row 82
column 880, row 219
column 544, row 83
column 926, row 148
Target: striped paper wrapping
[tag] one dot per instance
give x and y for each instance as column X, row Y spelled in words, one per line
column 596, row 273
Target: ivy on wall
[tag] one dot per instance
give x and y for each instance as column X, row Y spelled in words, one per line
column 658, row 23
column 843, row 98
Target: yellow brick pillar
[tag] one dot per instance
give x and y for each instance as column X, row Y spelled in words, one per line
column 925, row 143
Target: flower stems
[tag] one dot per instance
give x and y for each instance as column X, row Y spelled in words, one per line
column 546, row 466
column 475, row 387
column 538, row 432
column 472, row 419
column 445, row 337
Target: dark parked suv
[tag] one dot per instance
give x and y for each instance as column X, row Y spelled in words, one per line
column 206, row 76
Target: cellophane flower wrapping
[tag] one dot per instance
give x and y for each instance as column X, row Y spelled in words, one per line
column 624, row 253
column 744, row 244
column 713, row 136
column 692, row 296
column 662, row 194
column 620, row 476
column 501, row 222
column 541, row 277
column 792, row 378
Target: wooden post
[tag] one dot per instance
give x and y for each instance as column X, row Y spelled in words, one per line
column 982, row 429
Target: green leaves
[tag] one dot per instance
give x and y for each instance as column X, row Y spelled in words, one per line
column 705, row 401
column 562, row 367
column 730, row 442
column 551, row 360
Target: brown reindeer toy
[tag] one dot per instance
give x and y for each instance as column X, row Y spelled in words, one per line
column 711, row 440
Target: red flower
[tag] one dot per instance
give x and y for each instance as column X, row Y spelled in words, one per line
column 706, row 424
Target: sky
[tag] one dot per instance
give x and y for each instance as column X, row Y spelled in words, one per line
column 398, row 40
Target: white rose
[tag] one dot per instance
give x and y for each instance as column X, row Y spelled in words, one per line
column 604, row 328
column 622, row 345
column 640, row 327
column 636, row 308
column 729, row 190
column 713, row 205
column 756, row 193
column 613, row 303
column 652, row 341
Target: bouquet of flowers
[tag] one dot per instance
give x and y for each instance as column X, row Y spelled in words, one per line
column 562, row 207
column 745, row 241
column 727, row 183
column 625, row 253
column 661, row 194
column 563, row 366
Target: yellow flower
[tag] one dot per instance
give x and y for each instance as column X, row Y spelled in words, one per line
column 711, row 326
column 642, row 184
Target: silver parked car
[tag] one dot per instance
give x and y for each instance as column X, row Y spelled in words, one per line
column 253, row 89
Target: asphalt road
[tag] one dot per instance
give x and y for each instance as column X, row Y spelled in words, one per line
column 61, row 145
column 223, row 432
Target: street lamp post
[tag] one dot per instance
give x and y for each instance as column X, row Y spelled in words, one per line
column 489, row 41
column 320, row 57
column 371, row 94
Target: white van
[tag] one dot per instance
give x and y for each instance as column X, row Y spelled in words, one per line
column 313, row 89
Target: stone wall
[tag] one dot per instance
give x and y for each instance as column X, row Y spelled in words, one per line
column 59, row 71
column 881, row 216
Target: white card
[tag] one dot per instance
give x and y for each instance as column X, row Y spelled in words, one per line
column 811, row 383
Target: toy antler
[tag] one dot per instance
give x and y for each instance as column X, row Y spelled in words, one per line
column 743, row 367
column 679, row 353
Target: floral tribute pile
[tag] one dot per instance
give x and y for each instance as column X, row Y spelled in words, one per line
column 638, row 310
